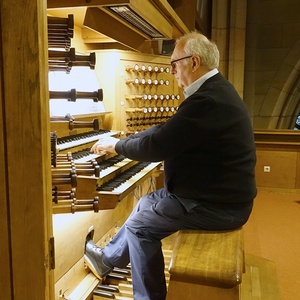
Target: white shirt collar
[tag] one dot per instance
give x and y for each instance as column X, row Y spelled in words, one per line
column 192, row 88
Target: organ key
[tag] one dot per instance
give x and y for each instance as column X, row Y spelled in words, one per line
column 117, row 181
column 71, row 141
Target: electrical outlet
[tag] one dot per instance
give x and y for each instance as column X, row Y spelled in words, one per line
column 267, row 169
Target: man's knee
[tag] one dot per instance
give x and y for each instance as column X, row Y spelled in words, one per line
column 170, row 208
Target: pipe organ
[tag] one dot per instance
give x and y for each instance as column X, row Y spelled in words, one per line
column 54, row 192
column 99, row 191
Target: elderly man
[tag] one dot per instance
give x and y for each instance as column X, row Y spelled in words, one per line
column 209, row 159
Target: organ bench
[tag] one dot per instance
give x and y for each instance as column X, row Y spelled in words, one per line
column 206, row 265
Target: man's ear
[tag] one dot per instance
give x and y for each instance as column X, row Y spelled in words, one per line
column 196, row 61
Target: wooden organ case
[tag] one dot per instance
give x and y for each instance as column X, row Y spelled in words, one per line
column 99, row 191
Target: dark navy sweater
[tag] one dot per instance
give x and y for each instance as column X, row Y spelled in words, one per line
column 207, row 147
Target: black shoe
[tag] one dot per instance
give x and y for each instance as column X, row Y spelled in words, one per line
column 93, row 256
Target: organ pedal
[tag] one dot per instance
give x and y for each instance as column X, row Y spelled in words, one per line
column 118, row 284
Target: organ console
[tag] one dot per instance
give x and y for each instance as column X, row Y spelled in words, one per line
column 82, row 189
column 43, row 228
column 100, row 184
column 109, row 178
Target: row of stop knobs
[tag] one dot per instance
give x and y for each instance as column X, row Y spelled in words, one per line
column 153, row 97
column 155, row 69
column 148, row 81
column 152, row 109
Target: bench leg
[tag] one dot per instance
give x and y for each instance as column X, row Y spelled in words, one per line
column 178, row 290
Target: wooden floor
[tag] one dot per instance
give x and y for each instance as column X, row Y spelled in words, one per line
column 260, row 280
column 273, row 233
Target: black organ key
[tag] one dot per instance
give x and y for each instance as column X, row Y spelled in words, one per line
column 110, row 162
column 123, row 177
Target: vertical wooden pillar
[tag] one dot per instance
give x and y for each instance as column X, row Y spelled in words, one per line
column 5, row 275
column 25, row 168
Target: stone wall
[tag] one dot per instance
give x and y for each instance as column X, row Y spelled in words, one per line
column 272, row 63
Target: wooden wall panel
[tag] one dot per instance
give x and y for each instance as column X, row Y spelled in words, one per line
column 283, row 168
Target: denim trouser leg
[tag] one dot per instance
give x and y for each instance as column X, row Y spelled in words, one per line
column 139, row 241
column 156, row 216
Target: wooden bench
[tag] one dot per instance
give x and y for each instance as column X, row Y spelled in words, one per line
column 206, row 265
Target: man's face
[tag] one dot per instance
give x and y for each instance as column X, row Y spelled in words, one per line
column 181, row 66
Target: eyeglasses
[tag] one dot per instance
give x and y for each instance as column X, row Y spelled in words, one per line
column 172, row 62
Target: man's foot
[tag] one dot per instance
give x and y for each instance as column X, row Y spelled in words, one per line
column 93, row 257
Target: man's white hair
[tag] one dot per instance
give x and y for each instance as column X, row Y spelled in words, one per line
column 196, row 43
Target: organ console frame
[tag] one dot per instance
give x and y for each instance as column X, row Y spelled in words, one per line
column 27, row 225
column 113, row 209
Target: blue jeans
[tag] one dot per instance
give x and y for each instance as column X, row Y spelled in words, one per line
column 156, row 216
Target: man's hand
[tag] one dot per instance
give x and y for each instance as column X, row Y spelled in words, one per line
column 106, row 144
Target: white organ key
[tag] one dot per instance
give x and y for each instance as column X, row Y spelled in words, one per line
column 87, row 158
column 83, row 141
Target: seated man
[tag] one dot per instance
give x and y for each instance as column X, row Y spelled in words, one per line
column 209, row 158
